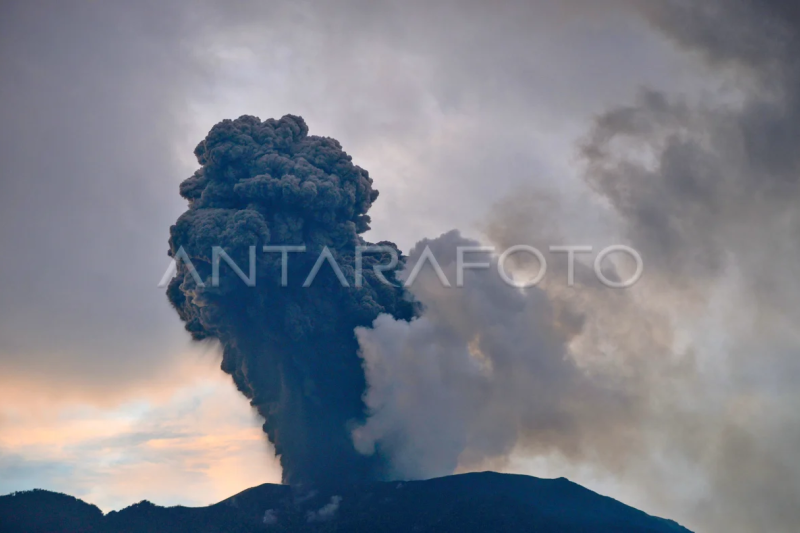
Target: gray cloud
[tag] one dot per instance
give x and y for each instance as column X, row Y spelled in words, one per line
column 424, row 82
column 707, row 191
column 485, row 370
column 91, row 106
column 460, row 99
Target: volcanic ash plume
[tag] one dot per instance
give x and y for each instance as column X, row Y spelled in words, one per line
column 290, row 349
column 486, row 369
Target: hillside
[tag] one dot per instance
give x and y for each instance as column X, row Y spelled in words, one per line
column 480, row 502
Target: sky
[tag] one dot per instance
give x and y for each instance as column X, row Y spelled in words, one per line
column 665, row 125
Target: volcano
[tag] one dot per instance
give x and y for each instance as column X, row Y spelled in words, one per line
column 479, row 502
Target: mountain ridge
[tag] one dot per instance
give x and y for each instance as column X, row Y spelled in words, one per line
column 474, row 502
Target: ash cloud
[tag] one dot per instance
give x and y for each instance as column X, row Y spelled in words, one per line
column 290, row 350
column 636, row 383
column 717, row 178
column 485, row 368
column 621, row 381
column 708, row 192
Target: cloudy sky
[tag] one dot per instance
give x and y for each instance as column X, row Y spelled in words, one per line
column 666, row 125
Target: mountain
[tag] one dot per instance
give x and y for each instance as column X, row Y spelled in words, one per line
column 467, row 503
column 42, row 510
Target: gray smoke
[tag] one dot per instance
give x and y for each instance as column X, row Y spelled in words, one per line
column 713, row 206
column 632, row 382
column 629, row 382
column 485, row 368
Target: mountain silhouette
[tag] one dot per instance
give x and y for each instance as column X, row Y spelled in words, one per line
column 481, row 503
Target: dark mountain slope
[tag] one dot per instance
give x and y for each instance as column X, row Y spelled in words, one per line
column 37, row 511
column 480, row 503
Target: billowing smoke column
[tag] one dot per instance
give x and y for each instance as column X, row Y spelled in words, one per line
column 290, row 349
column 628, row 382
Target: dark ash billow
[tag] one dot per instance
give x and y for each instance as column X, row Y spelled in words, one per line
column 291, row 350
